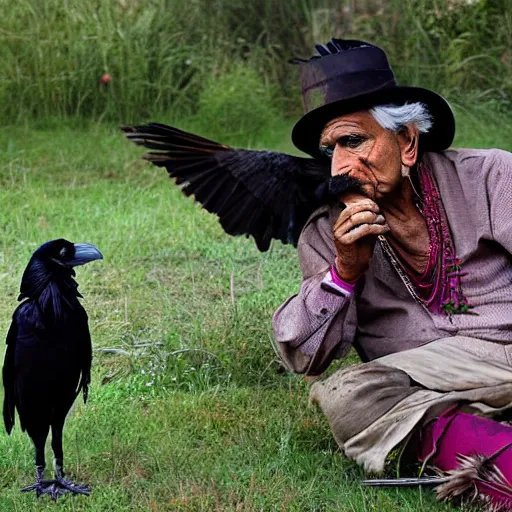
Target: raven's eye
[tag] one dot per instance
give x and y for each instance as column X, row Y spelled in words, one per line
column 64, row 253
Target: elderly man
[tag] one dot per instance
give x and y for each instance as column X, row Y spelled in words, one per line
column 416, row 275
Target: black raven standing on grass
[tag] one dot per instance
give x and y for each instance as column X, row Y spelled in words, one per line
column 48, row 358
column 265, row 194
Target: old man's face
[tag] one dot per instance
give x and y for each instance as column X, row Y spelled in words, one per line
column 367, row 152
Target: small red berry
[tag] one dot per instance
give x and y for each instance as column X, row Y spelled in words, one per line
column 105, row 79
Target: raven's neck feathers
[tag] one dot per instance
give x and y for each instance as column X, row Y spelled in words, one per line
column 53, row 290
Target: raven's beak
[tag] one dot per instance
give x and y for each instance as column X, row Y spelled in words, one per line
column 84, row 253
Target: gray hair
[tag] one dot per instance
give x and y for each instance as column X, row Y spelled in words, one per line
column 395, row 117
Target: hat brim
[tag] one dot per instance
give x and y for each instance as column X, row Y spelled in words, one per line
column 306, row 132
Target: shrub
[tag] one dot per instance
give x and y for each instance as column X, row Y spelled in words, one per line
column 236, row 103
column 161, row 54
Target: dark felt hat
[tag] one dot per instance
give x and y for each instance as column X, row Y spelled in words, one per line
column 348, row 76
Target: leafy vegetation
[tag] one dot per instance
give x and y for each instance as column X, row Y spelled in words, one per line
column 168, row 55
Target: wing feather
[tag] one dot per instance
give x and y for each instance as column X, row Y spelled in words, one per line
column 85, row 344
column 264, row 194
column 8, row 375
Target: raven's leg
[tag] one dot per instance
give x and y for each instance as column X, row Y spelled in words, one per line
column 39, row 445
column 62, row 486
column 41, row 486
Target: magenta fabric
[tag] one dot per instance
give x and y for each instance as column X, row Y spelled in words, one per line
column 456, row 433
column 348, row 287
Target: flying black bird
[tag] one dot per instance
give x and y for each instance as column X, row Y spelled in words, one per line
column 260, row 193
column 48, row 357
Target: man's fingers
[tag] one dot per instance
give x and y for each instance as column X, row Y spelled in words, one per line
column 364, row 217
column 361, row 231
column 352, row 209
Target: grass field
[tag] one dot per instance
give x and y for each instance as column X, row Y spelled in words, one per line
column 196, row 414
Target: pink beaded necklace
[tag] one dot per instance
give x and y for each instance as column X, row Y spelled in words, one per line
column 439, row 286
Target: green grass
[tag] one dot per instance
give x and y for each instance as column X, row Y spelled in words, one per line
column 200, row 418
column 167, row 55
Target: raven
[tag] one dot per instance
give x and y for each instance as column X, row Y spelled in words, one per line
column 49, row 354
column 266, row 194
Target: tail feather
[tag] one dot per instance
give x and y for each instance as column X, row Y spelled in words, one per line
column 8, row 382
column 8, row 414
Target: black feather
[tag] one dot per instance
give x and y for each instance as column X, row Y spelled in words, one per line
column 264, row 194
column 331, row 190
column 8, row 376
column 323, row 50
column 331, row 48
column 49, row 352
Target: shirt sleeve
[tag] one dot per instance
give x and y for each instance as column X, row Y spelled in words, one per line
column 499, row 189
column 316, row 325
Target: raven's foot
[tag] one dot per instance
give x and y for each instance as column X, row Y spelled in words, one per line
column 57, row 487
column 67, row 486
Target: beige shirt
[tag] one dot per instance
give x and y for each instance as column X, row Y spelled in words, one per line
column 381, row 317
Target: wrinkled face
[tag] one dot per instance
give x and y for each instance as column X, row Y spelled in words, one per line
column 360, row 147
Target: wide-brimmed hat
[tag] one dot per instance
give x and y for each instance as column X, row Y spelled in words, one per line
column 349, row 76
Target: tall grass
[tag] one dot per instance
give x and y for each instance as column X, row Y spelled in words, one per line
column 193, row 413
column 160, row 54
column 165, row 55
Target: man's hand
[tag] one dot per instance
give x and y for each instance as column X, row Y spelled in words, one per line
column 355, row 233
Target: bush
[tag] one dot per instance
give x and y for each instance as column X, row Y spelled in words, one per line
column 161, row 54
column 237, row 103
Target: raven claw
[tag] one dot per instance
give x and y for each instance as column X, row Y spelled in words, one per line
column 74, row 488
column 57, row 487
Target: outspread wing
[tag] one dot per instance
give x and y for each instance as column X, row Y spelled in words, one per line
column 260, row 193
column 9, row 377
